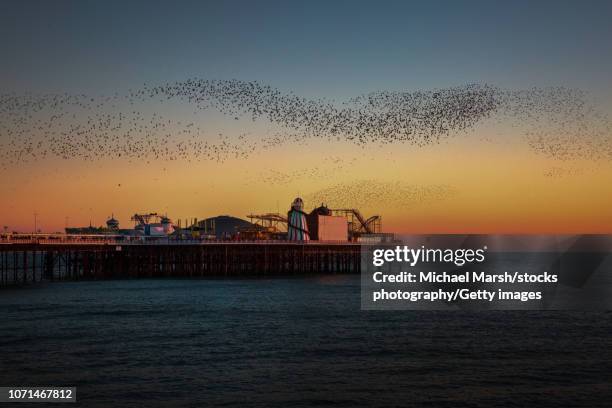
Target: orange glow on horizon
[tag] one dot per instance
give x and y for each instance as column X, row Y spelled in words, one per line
column 498, row 188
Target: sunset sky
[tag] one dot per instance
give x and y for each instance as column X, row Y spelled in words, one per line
column 486, row 179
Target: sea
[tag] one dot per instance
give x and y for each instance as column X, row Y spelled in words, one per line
column 292, row 342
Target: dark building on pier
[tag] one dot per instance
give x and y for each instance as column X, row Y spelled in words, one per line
column 223, row 226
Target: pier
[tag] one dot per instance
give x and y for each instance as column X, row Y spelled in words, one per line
column 23, row 263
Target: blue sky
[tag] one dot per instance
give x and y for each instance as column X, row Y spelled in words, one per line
column 332, row 49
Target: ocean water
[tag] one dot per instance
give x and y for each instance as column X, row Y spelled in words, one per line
column 299, row 342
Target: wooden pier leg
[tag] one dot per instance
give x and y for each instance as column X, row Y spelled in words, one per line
column 226, row 260
column 49, row 262
column 34, row 266
column 25, row 267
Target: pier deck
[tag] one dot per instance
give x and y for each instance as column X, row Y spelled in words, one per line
column 29, row 262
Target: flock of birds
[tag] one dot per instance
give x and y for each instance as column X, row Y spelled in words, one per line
column 560, row 172
column 558, row 122
column 328, row 168
column 79, row 127
column 368, row 194
column 143, row 126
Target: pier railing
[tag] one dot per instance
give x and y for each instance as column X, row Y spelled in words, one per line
column 41, row 239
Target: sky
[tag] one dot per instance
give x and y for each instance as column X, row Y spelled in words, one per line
column 489, row 179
